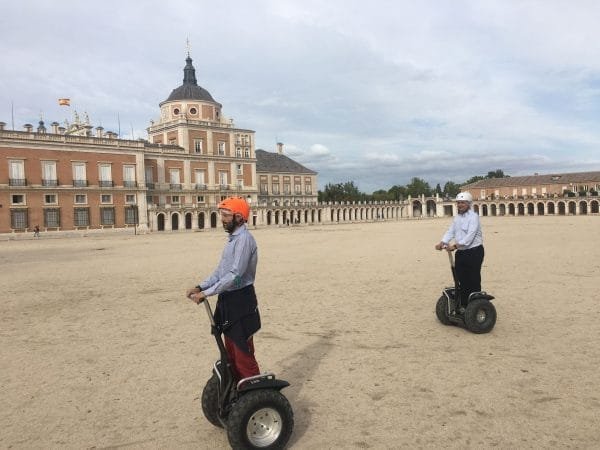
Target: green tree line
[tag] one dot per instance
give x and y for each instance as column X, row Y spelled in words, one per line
column 349, row 192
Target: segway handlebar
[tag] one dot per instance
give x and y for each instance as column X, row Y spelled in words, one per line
column 208, row 311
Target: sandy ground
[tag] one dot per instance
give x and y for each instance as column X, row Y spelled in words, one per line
column 100, row 349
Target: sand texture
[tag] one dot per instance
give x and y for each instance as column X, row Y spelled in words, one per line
column 100, row 349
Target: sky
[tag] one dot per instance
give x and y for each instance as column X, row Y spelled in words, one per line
column 372, row 92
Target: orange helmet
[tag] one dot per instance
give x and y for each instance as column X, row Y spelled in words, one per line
column 236, row 205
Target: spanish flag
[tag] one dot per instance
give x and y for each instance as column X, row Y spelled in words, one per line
column 64, row 101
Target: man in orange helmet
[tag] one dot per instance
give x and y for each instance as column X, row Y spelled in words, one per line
column 236, row 314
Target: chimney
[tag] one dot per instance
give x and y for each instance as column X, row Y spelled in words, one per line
column 28, row 127
column 2, row 125
column 41, row 128
column 54, row 126
column 280, row 148
column 61, row 130
column 99, row 131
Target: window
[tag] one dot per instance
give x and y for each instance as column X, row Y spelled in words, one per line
column 193, row 111
column 107, row 216
column 308, row 188
column 297, row 189
column 106, row 198
column 200, row 198
column 240, row 184
column 16, row 173
column 81, row 217
column 130, row 199
column 200, row 180
column 18, row 218
column 238, row 168
column 149, row 178
column 17, row 199
column 176, row 111
column 238, row 152
column 264, row 188
column 174, row 179
column 275, row 188
column 223, row 180
column 221, row 148
column 49, row 173
column 81, row 199
column 129, row 176
column 131, row 215
column 175, row 199
column 287, row 189
column 50, row 199
column 79, row 174
column 246, row 153
column 198, row 146
column 51, row 218
column 105, row 175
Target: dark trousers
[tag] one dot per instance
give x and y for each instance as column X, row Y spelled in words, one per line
column 468, row 271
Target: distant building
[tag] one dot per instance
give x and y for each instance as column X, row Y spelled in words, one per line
column 536, row 186
column 284, row 182
column 78, row 178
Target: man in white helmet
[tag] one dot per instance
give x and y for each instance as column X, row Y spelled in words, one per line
column 468, row 243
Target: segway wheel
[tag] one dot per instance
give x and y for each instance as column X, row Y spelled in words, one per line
column 441, row 310
column 210, row 401
column 480, row 316
column 260, row 419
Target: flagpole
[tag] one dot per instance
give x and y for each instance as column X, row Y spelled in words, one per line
column 12, row 114
column 119, row 122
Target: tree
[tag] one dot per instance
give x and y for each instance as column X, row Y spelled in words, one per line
column 417, row 187
column 340, row 192
column 397, row 192
column 451, row 189
column 498, row 173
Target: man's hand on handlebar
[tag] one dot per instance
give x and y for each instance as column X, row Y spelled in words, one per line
column 195, row 295
column 448, row 247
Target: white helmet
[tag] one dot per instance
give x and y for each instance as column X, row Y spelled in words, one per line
column 464, row 197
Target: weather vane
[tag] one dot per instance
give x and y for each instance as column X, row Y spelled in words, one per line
column 187, row 44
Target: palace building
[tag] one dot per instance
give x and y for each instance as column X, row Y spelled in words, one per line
column 80, row 178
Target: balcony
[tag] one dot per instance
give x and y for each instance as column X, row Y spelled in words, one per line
column 224, row 187
column 80, row 183
column 200, row 186
column 106, row 183
column 129, row 184
column 50, row 183
column 17, row 182
column 175, row 186
column 149, row 185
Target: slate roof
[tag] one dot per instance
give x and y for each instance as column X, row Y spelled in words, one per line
column 536, row 180
column 276, row 162
column 190, row 90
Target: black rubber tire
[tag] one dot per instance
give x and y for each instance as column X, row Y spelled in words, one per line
column 441, row 310
column 480, row 316
column 258, row 410
column 210, row 401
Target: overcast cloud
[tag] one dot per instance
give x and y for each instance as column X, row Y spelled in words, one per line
column 374, row 92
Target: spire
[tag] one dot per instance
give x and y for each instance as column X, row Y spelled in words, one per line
column 189, row 73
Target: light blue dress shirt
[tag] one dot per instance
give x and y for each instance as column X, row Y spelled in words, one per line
column 465, row 230
column 237, row 268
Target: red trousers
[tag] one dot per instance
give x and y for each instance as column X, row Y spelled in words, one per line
column 243, row 364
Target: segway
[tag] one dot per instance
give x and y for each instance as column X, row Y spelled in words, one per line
column 254, row 412
column 478, row 316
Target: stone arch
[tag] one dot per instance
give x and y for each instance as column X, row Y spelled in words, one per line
column 594, row 206
column 188, row 221
column 160, row 221
column 201, row 220
column 540, row 209
column 175, row 221
column 493, row 209
column 572, row 207
column 501, row 209
column 511, row 209
column 550, row 207
column 583, row 207
column 213, row 220
column 484, row 210
column 521, row 209
column 530, row 209
column 417, row 208
column 561, row 208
